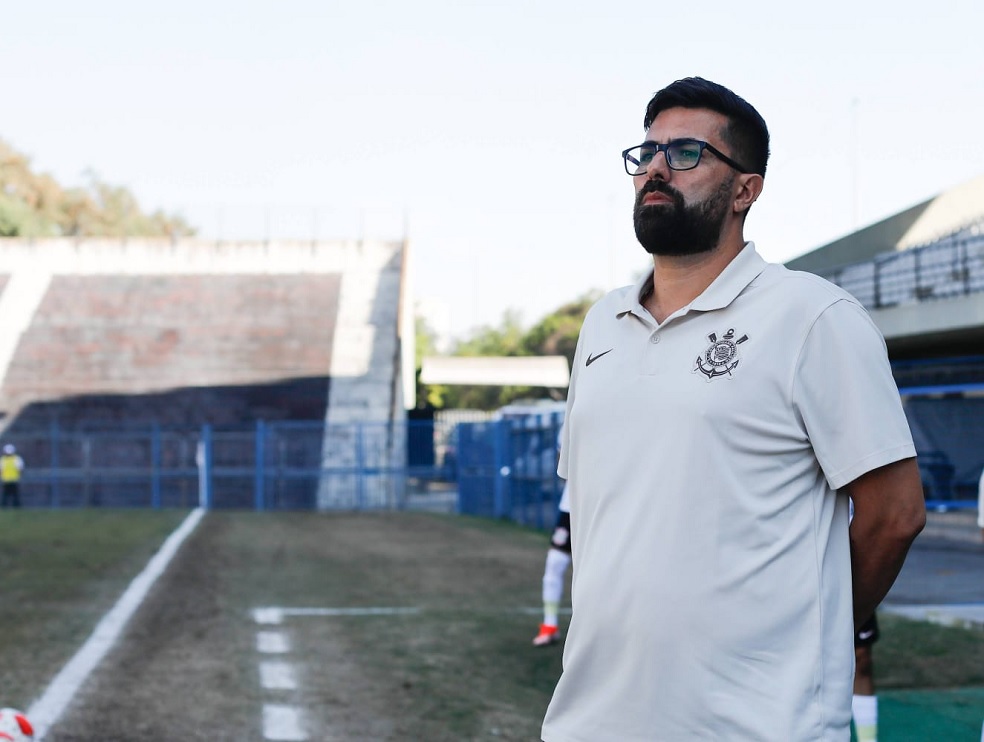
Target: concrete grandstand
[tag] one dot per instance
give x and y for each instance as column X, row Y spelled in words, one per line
column 920, row 274
column 180, row 334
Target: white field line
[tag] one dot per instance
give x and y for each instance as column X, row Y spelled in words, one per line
column 277, row 676
column 282, row 723
column 273, row 615
column 285, row 722
column 46, row 710
column 272, row 642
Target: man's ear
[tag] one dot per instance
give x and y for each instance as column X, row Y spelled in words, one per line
column 750, row 187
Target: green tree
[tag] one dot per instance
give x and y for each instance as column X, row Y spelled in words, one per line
column 35, row 205
column 28, row 202
column 430, row 395
column 555, row 334
column 505, row 340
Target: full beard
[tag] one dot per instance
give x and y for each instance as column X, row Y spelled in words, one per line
column 679, row 229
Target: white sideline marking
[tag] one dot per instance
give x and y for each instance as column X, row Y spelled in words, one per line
column 276, row 615
column 272, row 642
column 267, row 615
column 45, row 711
column 282, row 723
column 277, row 676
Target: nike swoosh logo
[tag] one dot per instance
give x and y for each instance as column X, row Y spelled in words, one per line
column 592, row 359
column 865, row 634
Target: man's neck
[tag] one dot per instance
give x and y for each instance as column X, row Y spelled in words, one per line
column 679, row 279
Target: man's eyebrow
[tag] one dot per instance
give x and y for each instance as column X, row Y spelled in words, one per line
column 674, row 139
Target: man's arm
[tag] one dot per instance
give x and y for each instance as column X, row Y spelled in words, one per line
column 889, row 512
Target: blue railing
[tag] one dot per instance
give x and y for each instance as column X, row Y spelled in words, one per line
column 507, row 468
column 502, row 468
column 267, row 466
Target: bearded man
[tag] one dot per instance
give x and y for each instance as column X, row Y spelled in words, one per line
column 721, row 413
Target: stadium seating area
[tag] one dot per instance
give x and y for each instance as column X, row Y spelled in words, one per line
column 950, row 266
column 146, row 335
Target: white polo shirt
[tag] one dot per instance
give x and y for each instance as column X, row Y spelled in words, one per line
column 712, row 575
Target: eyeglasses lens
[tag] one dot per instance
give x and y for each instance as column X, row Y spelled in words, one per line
column 637, row 159
column 683, row 155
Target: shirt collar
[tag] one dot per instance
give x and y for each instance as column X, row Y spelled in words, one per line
column 745, row 268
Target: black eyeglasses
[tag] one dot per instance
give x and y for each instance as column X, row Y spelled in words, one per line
column 681, row 154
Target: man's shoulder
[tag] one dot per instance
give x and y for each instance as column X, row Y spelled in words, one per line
column 804, row 289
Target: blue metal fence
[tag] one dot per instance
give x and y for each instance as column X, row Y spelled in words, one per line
column 503, row 468
column 268, row 466
column 507, row 468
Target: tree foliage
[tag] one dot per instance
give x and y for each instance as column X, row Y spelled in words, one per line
column 35, row 205
column 428, row 395
column 555, row 334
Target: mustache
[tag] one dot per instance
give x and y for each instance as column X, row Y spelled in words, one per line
column 660, row 186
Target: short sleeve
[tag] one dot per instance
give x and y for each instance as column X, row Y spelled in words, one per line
column 565, row 499
column 565, row 431
column 846, row 396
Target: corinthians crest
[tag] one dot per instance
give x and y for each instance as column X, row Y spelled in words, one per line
column 721, row 357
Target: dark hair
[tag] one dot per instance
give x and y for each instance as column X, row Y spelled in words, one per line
column 746, row 133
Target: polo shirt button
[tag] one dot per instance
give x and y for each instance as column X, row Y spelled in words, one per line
column 654, row 339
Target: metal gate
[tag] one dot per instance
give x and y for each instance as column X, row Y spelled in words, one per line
column 508, row 468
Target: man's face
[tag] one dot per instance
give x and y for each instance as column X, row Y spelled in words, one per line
column 682, row 212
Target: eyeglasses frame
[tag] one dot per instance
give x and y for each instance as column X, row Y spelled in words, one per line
column 686, row 140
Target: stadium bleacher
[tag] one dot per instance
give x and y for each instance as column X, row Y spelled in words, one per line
column 144, row 335
column 141, row 334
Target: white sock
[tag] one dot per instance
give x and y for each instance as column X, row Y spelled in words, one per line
column 553, row 584
column 865, row 710
column 550, row 611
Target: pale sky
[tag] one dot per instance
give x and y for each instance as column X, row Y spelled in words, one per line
column 490, row 132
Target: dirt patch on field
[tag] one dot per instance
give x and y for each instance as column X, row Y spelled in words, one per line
column 458, row 667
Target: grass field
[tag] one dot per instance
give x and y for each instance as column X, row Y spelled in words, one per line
column 60, row 571
column 459, row 667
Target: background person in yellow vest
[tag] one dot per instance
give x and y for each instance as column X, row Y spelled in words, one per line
column 10, row 473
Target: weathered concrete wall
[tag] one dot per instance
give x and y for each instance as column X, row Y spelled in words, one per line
column 145, row 316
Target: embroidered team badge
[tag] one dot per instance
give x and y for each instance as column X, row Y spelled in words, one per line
column 721, row 357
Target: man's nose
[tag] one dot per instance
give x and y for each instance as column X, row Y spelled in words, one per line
column 658, row 167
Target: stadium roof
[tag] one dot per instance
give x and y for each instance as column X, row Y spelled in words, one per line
column 936, row 217
column 542, row 371
column 927, row 302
